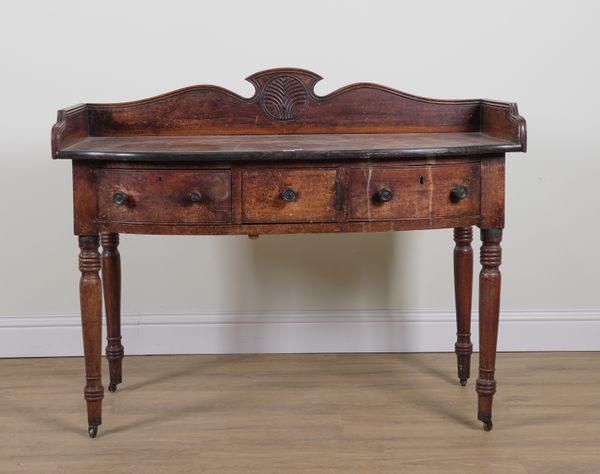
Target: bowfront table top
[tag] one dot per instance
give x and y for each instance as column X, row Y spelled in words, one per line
column 271, row 147
column 204, row 160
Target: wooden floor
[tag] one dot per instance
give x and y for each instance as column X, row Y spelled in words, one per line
column 351, row 413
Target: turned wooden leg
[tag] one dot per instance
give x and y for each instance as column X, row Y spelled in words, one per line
column 90, row 294
column 111, row 283
column 463, row 291
column 489, row 312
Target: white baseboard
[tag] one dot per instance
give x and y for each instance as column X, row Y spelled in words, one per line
column 309, row 331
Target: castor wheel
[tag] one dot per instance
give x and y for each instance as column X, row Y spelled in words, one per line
column 93, row 431
column 112, row 387
column 463, row 382
column 487, row 425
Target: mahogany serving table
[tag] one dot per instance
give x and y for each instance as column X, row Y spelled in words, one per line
column 365, row 158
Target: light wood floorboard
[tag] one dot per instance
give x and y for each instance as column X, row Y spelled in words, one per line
column 316, row 413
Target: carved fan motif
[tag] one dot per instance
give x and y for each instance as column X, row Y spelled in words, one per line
column 284, row 98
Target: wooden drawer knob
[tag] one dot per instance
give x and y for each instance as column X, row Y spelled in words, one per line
column 289, row 195
column 195, row 197
column 458, row 193
column 385, row 195
column 119, row 198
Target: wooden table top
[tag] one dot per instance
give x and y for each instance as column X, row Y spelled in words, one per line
column 286, row 119
column 297, row 146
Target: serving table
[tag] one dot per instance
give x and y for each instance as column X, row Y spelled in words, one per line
column 365, row 158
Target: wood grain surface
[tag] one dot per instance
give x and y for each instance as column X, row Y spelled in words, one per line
column 418, row 192
column 284, row 103
column 314, row 200
column 346, row 413
column 161, row 196
column 275, row 147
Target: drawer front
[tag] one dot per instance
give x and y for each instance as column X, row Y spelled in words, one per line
column 155, row 196
column 289, row 195
column 414, row 192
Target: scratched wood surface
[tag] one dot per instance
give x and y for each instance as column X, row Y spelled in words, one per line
column 285, row 103
column 347, row 413
column 341, row 194
column 272, row 147
column 419, row 192
column 314, row 199
column 165, row 196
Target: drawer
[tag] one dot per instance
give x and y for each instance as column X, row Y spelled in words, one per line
column 156, row 196
column 414, row 192
column 289, row 195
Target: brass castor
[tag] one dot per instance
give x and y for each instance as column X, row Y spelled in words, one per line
column 487, row 425
column 463, row 382
column 92, row 431
column 112, row 387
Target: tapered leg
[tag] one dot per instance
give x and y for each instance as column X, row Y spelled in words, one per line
column 489, row 312
column 463, row 291
column 111, row 283
column 90, row 294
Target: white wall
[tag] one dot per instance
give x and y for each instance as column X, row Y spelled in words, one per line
column 541, row 54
